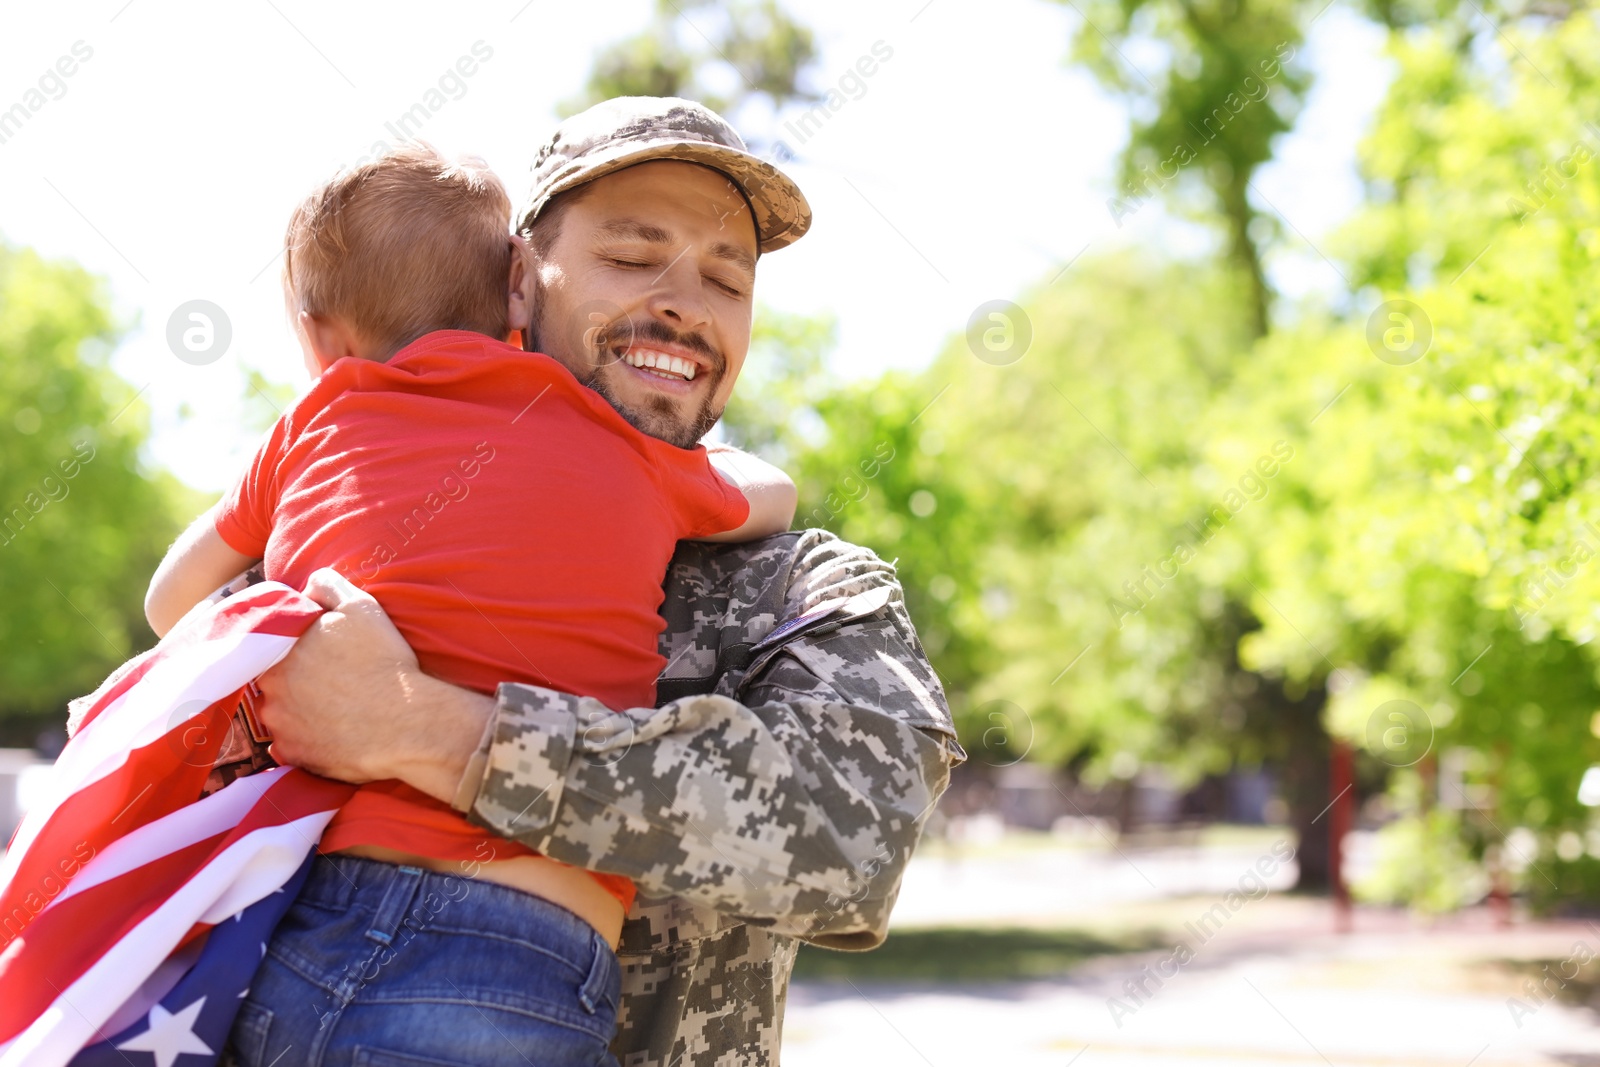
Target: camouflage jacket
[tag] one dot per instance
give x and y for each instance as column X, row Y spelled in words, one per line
column 773, row 797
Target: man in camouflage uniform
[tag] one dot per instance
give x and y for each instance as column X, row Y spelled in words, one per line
column 776, row 793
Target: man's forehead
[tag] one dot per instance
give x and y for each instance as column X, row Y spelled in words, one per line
column 704, row 188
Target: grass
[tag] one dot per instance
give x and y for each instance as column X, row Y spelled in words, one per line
column 964, row 954
column 1582, row 989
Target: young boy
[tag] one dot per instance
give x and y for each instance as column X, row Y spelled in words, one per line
column 423, row 431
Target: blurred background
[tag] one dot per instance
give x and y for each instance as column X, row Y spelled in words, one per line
column 1220, row 376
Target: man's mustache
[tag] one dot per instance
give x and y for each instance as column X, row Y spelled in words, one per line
column 626, row 333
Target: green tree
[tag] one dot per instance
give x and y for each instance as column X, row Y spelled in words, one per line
column 1022, row 499
column 784, row 380
column 719, row 54
column 1175, row 533
column 82, row 521
column 1449, row 488
column 1216, row 85
column 1209, row 115
column 1052, row 520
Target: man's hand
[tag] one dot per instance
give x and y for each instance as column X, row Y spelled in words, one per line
column 350, row 702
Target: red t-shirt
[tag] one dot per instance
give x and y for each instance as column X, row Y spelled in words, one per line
column 513, row 525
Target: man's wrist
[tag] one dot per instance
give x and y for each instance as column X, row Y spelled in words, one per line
column 477, row 764
column 449, row 725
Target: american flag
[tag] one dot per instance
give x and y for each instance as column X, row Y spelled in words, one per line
column 134, row 906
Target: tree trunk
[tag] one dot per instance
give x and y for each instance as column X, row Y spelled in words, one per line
column 1305, row 787
column 1242, row 248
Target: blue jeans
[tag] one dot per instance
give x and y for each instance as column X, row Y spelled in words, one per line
column 388, row 966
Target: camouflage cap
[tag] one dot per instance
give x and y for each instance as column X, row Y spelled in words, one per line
column 627, row 130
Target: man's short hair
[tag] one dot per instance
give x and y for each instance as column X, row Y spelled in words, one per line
column 543, row 231
column 401, row 246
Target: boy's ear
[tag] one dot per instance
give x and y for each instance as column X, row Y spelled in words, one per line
column 326, row 341
column 519, row 290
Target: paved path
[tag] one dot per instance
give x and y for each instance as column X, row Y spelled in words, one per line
column 1273, row 986
column 1029, row 885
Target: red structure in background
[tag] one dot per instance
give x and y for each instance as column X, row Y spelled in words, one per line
column 1499, row 876
column 1341, row 816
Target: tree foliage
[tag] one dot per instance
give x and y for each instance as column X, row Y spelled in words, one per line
column 1223, row 81
column 1177, row 532
column 1452, row 489
column 82, row 521
column 719, row 54
column 1052, row 517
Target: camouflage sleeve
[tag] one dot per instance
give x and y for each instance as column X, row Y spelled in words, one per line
column 791, row 798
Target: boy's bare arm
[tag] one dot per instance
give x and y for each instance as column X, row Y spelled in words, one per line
column 196, row 564
column 771, row 493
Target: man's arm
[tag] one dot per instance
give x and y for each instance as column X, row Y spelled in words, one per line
column 793, row 800
column 350, row 701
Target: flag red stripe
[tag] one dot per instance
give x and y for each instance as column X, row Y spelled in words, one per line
column 46, row 947
column 156, row 779
column 120, row 682
column 64, row 941
column 273, row 609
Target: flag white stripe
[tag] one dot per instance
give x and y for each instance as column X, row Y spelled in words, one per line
column 199, row 674
column 254, row 866
column 204, row 672
column 207, row 817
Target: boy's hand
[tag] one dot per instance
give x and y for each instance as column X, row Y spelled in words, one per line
column 350, row 702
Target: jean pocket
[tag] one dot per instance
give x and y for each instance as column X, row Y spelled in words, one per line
column 252, row 1028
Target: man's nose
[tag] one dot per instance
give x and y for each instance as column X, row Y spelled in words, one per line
column 679, row 295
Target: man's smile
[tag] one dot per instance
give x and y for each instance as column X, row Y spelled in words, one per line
column 664, row 367
column 662, row 364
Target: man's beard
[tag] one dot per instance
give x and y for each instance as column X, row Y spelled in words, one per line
column 659, row 417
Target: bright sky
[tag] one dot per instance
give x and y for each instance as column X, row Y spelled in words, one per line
column 974, row 165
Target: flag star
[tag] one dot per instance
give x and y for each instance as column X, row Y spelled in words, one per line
column 169, row 1035
column 263, row 950
column 245, row 992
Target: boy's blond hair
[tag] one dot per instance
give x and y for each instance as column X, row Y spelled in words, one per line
column 401, row 246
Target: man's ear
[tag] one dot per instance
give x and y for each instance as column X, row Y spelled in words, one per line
column 520, row 311
column 327, row 341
